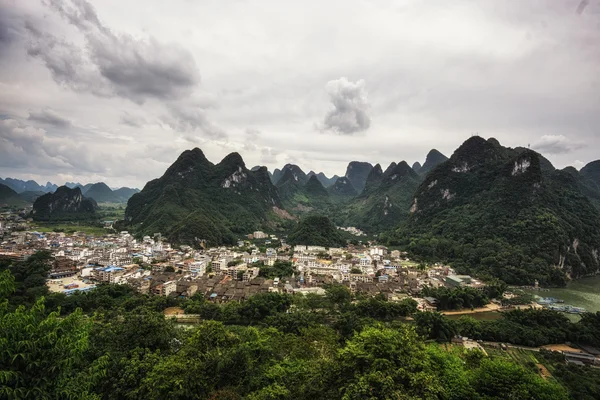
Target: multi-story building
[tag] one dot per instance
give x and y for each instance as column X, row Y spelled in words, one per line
column 107, row 274
column 169, row 287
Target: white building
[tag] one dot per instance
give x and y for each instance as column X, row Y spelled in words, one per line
column 366, row 261
column 169, row 287
column 260, row 235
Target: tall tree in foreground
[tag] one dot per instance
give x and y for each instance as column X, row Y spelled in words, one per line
column 40, row 352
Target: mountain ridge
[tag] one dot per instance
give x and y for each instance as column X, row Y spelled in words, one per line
column 529, row 222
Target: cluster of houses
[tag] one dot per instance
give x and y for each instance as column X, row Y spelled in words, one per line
column 352, row 230
column 151, row 265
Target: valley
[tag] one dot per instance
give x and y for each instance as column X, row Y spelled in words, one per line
column 488, row 210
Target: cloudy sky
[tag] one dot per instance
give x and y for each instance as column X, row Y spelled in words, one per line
column 114, row 90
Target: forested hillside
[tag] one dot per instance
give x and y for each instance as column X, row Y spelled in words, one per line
column 197, row 200
column 385, row 200
column 316, row 230
column 64, row 204
column 494, row 210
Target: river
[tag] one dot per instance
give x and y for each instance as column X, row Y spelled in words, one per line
column 579, row 293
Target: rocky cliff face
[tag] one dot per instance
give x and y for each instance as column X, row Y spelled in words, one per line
column 63, row 205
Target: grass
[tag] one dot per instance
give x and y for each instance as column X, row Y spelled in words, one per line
column 526, row 358
column 111, row 211
column 69, row 228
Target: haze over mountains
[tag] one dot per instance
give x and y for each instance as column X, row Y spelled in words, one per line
column 28, row 191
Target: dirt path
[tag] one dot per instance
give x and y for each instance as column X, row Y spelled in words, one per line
column 544, row 371
column 561, row 347
column 173, row 311
column 488, row 308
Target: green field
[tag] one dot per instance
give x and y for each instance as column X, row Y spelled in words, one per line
column 526, row 358
column 69, row 228
column 111, row 211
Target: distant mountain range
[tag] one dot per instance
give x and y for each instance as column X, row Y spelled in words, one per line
column 21, row 186
column 488, row 209
column 196, row 200
column 28, row 191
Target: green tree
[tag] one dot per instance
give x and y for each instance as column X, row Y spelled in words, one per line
column 500, row 379
column 30, row 278
column 40, row 352
column 433, row 325
column 338, row 295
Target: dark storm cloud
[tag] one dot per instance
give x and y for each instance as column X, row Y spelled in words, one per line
column 555, row 144
column 350, row 104
column 49, row 117
column 113, row 63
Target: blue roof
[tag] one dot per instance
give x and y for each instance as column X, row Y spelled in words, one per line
column 110, row 268
column 85, row 289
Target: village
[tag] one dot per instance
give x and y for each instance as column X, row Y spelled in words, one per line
column 259, row 263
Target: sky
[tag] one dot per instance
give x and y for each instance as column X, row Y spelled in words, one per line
column 115, row 90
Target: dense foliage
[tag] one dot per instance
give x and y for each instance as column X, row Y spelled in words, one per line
column 300, row 194
column 279, row 269
column 316, row 230
column 8, row 196
column 503, row 212
column 456, row 298
column 272, row 346
column 523, row 327
column 582, row 383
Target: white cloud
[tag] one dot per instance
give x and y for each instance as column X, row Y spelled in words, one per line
column 350, row 103
column 556, row 144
